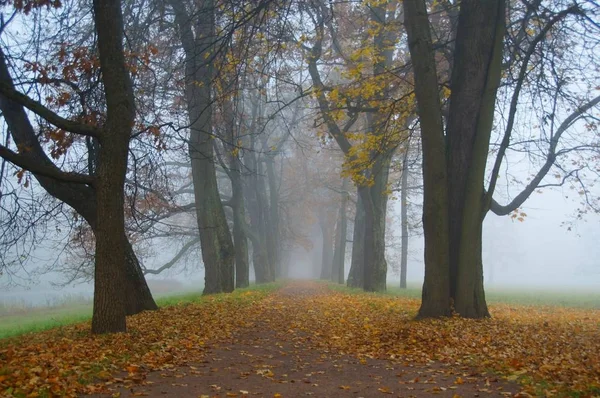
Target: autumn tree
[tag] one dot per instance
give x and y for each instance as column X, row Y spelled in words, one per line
column 356, row 112
column 106, row 185
column 455, row 150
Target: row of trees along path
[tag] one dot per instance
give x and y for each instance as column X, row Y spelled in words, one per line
column 87, row 121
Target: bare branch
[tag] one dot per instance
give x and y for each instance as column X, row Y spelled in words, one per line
column 39, row 168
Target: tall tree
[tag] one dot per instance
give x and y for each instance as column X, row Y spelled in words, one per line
column 453, row 188
column 107, row 184
column 455, row 158
column 198, row 37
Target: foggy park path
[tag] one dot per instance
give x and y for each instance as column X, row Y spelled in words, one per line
column 293, row 349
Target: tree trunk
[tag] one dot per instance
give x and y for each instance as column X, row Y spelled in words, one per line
column 274, row 215
column 242, row 269
column 215, row 238
column 109, row 276
column 80, row 197
column 356, row 274
column 339, row 255
column 240, row 240
column 266, row 225
column 453, row 200
column 404, row 221
column 376, row 262
column 256, row 210
column 325, row 222
column 138, row 297
column 436, row 287
column 475, row 79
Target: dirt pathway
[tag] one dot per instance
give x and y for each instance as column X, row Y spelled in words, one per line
column 274, row 357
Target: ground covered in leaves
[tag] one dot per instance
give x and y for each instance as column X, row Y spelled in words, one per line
column 306, row 339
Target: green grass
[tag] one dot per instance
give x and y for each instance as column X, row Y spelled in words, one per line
column 536, row 296
column 39, row 319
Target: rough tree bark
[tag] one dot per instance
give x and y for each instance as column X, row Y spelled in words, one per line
column 454, row 173
column 109, row 276
column 199, row 45
column 436, row 287
column 475, row 80
column 81, row 198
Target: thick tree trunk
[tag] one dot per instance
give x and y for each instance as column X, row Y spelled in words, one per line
column 109, row 276
column 217, row 247
column 475, row 79
column 453, row 267
column 215, row 238
column 80, row 197
column 339, row 254
column 356, row 274
column 436, row 287
column 404, row 221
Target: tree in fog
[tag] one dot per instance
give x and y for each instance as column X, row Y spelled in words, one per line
column 527, row 57
column 105, row 186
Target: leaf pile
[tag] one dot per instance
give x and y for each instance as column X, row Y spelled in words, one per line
column 552, row 350
column 70, row 361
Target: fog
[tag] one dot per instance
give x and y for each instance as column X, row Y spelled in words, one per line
column 540, row 252
column 293, row 170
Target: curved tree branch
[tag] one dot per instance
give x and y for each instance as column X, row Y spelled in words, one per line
column 35, row 167
column 175, row 259
column 550, row 159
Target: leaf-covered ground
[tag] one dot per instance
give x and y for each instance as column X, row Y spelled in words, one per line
column 306, row 339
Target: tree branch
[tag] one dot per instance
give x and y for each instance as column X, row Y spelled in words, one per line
column 38, row 168
column 550, row 159
column 515, row 98
column 175, row 259
column 47, row 114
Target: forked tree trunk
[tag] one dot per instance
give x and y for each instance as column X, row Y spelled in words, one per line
column 109, row 275
column 475, row 80
column 453, row 266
